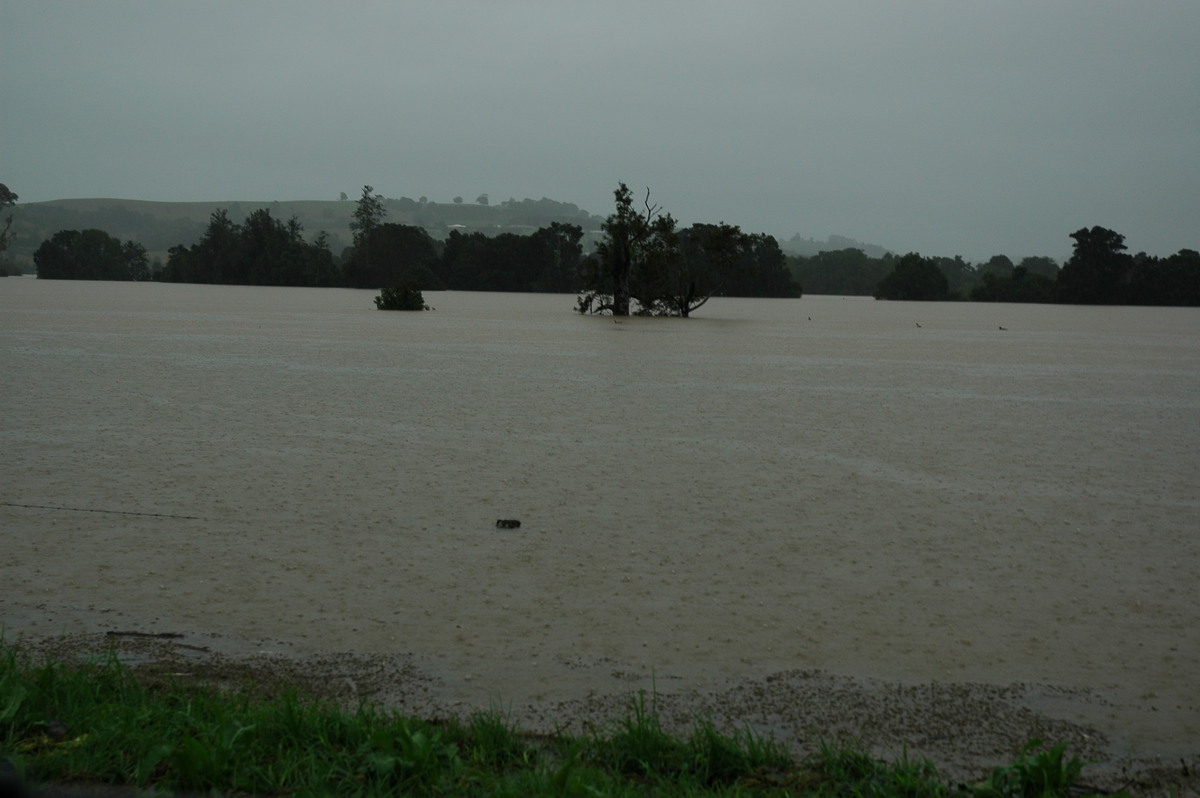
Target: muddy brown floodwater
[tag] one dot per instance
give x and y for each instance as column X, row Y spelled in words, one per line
column 813, row 516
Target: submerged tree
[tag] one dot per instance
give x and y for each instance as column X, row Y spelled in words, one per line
column 405, row 296
column 644, row 265
column 706, row 257
column 626, row 258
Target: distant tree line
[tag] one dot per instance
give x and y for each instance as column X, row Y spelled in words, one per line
column 850, row 272
column 264, row 250
column 1098, row 272
column 643, row 263
column 386, row 254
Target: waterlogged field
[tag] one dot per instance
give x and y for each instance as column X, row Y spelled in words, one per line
column 899, row 491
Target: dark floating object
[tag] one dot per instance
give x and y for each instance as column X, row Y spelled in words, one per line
column 508, row 523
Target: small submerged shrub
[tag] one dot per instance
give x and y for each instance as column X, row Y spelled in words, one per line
column 405, row 296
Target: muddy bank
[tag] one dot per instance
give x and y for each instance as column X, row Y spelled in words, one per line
column 965, row 728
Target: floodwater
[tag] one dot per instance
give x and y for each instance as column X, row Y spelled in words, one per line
column 953, row 492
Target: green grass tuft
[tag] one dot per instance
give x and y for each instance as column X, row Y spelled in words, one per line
column 95, row 722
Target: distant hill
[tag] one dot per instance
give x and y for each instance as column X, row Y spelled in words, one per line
column 158, row 226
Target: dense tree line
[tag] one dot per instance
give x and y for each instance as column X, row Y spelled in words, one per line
column 692, row 265
column 387, row 254
column 851, row 272
column 547, row 261
column 261, row 251
column 1098, row 272
column 266, row 251
column 90, row 255
column 642, row 263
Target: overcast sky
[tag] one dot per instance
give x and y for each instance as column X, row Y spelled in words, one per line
column 951, row 127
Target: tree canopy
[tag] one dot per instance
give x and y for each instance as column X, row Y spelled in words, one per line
column 914, row 278
column 1021, row 285
column 262, row 251
column 1098, row 271
column 369, row 213
column 90, row 255
column 1101, row 272
column 388, row 254
column 846, row 272
column 546, row 261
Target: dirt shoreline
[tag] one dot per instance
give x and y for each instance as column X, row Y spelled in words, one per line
column 964, row 728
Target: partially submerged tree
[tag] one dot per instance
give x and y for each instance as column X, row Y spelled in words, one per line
column 625, row 259
column 405, row 296
column 705, row 257
column 644, row 265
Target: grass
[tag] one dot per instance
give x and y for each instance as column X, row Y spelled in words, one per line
column 95, row 722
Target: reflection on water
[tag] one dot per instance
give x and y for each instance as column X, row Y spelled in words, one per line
column 896, row 489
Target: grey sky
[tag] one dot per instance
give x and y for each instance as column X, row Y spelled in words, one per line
column 952, row 127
